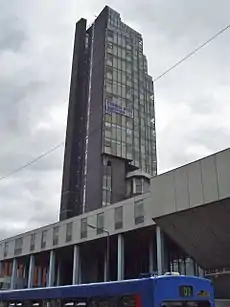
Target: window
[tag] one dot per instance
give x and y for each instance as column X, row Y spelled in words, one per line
column 6, row 248
column 55, row 235
column 119, row 148
column 128, row 301
column 110, row 34
column 139, row 211
column 18, row 246
column 129, row 151
column 69, row 231
column 108, row 130
column 100, row 223
column 83, row 228
column 107, row 144
column 118, row 217
column 32, row 241
column 109, row 74
column 109, row 59
column 104, row 197
column 110, row 45
column 109, row 86
column 43, row 240
column 115, row 63
column 108, row 120
column 139, row 188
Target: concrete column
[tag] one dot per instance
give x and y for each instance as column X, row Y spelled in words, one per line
column 39, row 276
column 120, row 257
column 80, row 272
column 190, row 267
column 200, row 272
column 160, row 251
column 58, row 283
column 31, row 272
column 51, row 273
column 76, row 265
column 151, row 256
column 1, row 268
column 14, row 274
column 105, row 268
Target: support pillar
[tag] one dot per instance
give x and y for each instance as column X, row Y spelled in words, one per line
column 14, row 274
column 120, row 257
column 76, row 265
column 105, row 268
column 200, row 272
column 160, row 251
column 51, row 274
column 39, row 276
column 1, row 268
column 31, row 272
column 58, row 283
column 80, row 272
column 151, row 256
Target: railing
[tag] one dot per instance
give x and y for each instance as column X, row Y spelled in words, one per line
column 222, row 271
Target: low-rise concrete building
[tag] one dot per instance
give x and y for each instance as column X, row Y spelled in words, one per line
column 180, row 225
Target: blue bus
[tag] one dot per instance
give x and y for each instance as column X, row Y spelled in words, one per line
column 159, row 291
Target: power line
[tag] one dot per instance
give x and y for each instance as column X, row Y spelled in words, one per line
column 43, row 155
column 154, row 80
column 192, row 53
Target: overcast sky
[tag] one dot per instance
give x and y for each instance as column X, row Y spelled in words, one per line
column 36, row 43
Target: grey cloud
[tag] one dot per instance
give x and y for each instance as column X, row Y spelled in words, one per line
column 30, row 204
column 12, row 33
column 12, row 39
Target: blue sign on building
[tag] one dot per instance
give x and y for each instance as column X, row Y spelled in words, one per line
column 111, row 107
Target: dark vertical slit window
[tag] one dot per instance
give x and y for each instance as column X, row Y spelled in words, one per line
column 139, row 211
column 118, row 218
column 100, row 223
column 43, row 239
column 69, row 231
column 55, row 235
column 107, row 183
column 84, row 228
column 18, row 246
column 6, row 249
column 32, row 241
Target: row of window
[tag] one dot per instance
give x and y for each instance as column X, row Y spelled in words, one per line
column 129, row 126
column 123, row 34
column 123, row 53
column 146, row 107
column 118, row 224
column 125, row 107
column 126, row 97
column 121, row 38
column 139, row 137
column 132, row 72
column 106, row 301
column 115, row 23
column 141, row 153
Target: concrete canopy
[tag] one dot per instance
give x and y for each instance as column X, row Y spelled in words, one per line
column 203, row 232
column 192, row 206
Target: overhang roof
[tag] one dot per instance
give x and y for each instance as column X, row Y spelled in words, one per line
column 203, row 232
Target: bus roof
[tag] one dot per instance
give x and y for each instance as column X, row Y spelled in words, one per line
column 89, row 290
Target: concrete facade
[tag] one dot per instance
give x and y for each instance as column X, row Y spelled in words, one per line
column 74, row 236
column 193, row 208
